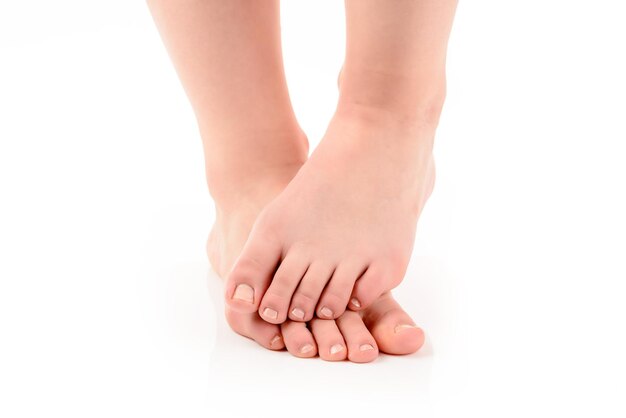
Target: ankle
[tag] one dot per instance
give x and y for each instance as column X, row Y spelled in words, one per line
column 409, row 100
column 259, row 172
column 409, row 133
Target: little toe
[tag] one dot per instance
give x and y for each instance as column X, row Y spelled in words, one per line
column 298, row 339
column 330, row 344
column 308, row 293
column 253, row 327
column 368, row 288
column 275, row 303
column 336, row 295
column 252, row 273
column 394, row 330
column 362, row 347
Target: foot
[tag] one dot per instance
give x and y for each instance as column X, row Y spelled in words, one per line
column 383, row 326
column 358, row 337
column 244, row 200
column 341, row 234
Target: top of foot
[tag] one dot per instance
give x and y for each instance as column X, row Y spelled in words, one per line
column 341, row 233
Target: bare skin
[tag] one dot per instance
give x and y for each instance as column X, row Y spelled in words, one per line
column 341, row 233
column 358, row 337
column 229, row 60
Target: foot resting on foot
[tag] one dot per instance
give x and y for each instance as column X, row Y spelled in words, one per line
column 358, row 337
column 341, row 233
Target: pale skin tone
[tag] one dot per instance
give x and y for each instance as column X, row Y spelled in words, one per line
column 319, row 240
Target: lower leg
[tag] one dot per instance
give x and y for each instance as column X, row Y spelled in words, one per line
column 395, row 60
column 184, row 31
column 228, row 57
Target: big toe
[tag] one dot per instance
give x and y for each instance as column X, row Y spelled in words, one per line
column 394, row 330
column 251, row 275
column 253, row 327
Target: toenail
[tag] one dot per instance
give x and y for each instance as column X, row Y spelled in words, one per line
column 270, row 313
column 335, row 349
column 306, row 349
column 366, row 347
column 400, row 328
column 298, row 313
column 326, row 312
column 244, row 292
column 275, row 340
column 355, row 302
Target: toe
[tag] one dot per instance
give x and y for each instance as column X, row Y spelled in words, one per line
column 275, row 304
column 252, row 273
column 362, row 347
column 368, row 288
column 330, row 343
column 308, row 292
column 394, row 330
column 298, row 339
column 336, row 295
column 253, row 327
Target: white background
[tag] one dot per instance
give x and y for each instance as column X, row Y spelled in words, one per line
column 107, row 304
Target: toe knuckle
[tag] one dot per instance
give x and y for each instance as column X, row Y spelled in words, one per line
column 245, row 267
column 275, row 296
column 283, row 282
column 305, row 299
column 335, row 298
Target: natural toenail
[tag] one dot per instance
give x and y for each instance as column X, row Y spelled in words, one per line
column 366, row 347
column 298, row 313
column 400, row 328
column 244, row 292
column 335, row 349
column 270, row 313
column 326, row 312
column 355, row 302
column 305, row 349
column 275, row 341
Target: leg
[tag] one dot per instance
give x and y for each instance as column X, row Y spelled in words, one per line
column 228, row 56
column 344, row 226
column 196, row 52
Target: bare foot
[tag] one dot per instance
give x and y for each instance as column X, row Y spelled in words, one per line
column 244, row 199
column 384, row 326
column 355, row 336
column 342, row 232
